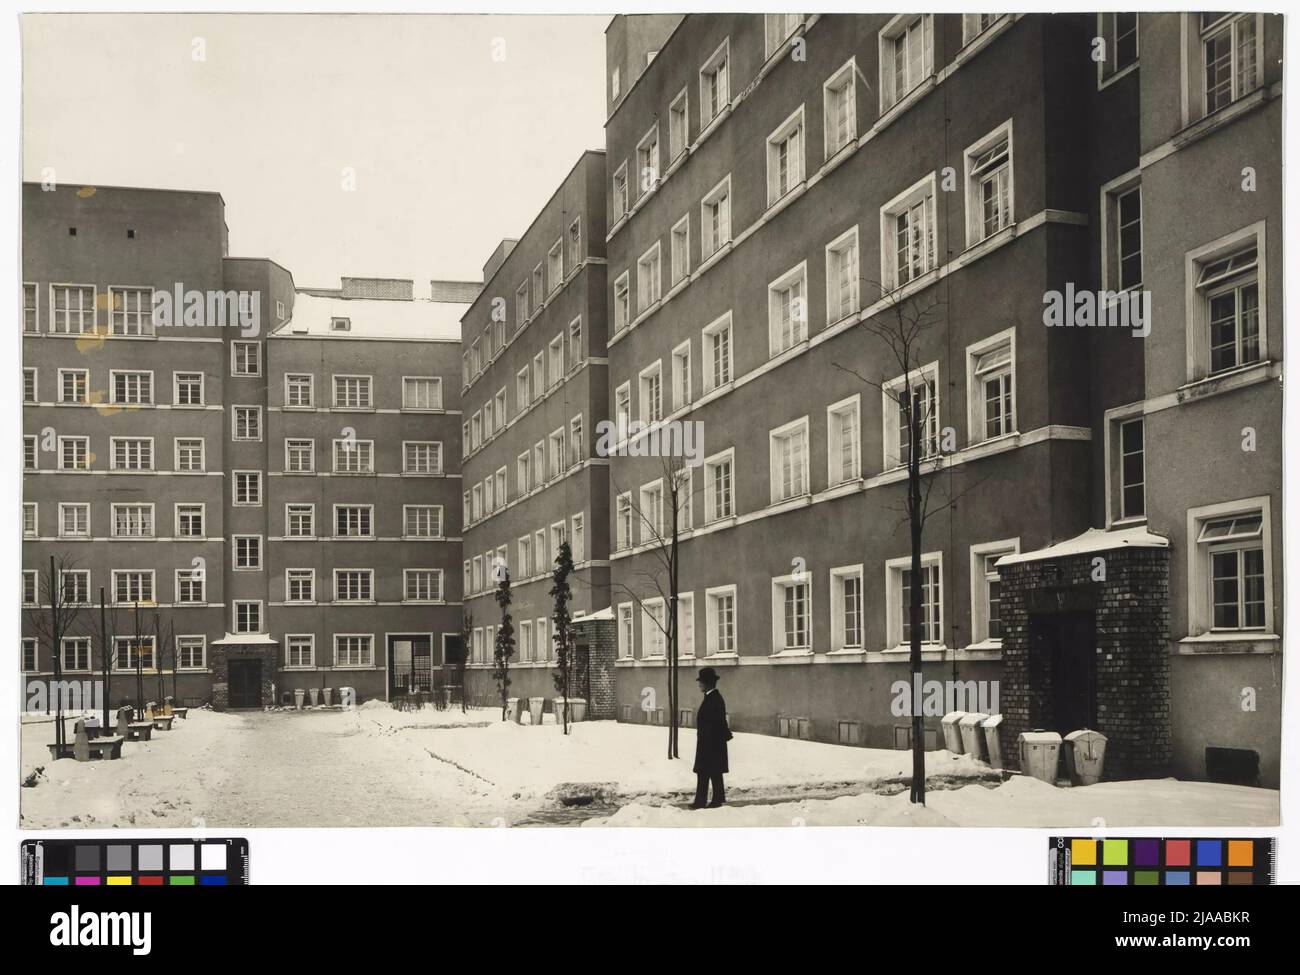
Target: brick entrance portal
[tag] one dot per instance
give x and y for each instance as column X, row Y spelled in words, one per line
column 1086, row 644
column 220, row 657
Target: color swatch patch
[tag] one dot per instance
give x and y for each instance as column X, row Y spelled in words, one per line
column 1150, row 862
column 135, row 863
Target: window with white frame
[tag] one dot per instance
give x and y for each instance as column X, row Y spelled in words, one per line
column 576, row 253
column 846, row 608
column 788, row 450
column 907, row 234
column 720, row 620
column 625, row 630
column 76, row 653
column 556, row 350
column 1130, row 454
column 623, row 522
column 132, row 388
column 777, row 28
column 74, row 385
column 248, row 488
column 1122, row 243
column 555, row 264
column 189, row 455
column 353, row 520
column 539, row 461
column 132, row 585
column 421, row 457
column 30, row 300
column 717, row 353
column 189, row 520
column 578, row 538
column 72, row 309
column 133, row 654
column 521, row 306
column 425, row 520
column 647, row 160
column 30, row 455
column 651, row 391
column 719, row 500
column 191, row 652
column 30, row 586
column 245, row 359
column 74, row 454
column 247, row 423
column 681, row 248
column 973, row 25
column 131, row 453
column 187, row 388
column 899, row 591
column 354, row 456
column 715, row 86
column 526, row 641
column 298, row 391
column 990, row 377
column 352, row 392
column 989, row 185
column 986, row 589
column 1226, row 60
column 682, row 375
column 649, row 279
column 678, row 126
column 190, row 586
column 75, row 586
column 132, row 311
column 133, row 521
column 915, row 395
column 247, row 552
column 615, row 83
column 421, row 393
column 623, row 409
column 354, row 650
column 651, row 511
column 906, row 56
column 785, row 157
column 622, row 302
column 839, row 108
column 843, row 441
column 577, row 443
column 686, row 624
column 620, row 192
column 715, row 219
column 300, row 650
column 74, row 519
column 787, row 310
column 29, row 386
column 422, row 585
column 842, row 276
column 654, row 621
column 1230, row 573
column 1227, row 309
column 791, row 613
column 299, row 456
column 1119, row 34
column 555, row 445
column 300, row 521
column 353, row 585
column 539, row 286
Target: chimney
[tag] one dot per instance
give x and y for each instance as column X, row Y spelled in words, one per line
column 396, row 289
column 456, row 292
column 498, row 258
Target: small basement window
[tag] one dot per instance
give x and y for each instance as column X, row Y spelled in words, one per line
column 340, row 324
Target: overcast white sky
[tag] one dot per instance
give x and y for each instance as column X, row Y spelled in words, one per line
column 452, row 149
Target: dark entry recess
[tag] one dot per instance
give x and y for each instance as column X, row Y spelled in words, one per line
column 1064, row 648
column 245, row 683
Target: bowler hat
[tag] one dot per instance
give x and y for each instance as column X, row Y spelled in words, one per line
column 708, row 675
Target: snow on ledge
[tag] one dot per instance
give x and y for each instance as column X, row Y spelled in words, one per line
column 246, row 639
column 1093, row 540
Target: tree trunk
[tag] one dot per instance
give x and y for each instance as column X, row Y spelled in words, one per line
column 105, row 660
column 915, row 592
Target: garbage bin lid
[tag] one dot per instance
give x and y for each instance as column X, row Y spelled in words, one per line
column 952, row 717
column 1040, row 737
column 1085, row 734
column 972, row 719
column 993, row 721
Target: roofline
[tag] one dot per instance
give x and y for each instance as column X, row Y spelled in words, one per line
column 541, row 210
column 632, row 87
column 143, row 189
column 266, row 260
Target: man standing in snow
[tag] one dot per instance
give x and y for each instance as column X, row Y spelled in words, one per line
column 711, row 737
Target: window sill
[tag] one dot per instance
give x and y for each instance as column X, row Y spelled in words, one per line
column 1230, row 379
column 1203, row 126
column 1225, row 643
column 891, row 114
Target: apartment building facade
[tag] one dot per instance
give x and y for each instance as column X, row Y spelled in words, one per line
column 184, row 459
column 785, row 193
column 534, row 387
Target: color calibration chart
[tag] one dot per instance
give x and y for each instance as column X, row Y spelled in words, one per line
column 135, row 863
column 1148, row 862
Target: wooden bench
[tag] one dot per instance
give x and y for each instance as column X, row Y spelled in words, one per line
column 133, row 730
column 163, row 722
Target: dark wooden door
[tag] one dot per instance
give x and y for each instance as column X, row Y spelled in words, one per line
column 1068, row 644
column 245, row 683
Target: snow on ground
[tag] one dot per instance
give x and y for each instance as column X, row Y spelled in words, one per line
column 1021, row 801
column 631, row 758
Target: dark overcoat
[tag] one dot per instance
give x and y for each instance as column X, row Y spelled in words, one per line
column 711, row 735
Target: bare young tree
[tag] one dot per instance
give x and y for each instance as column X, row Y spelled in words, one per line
column 56, row 615
column 660, row 523
column 108, row 628
column 462, row 659
column 562, row 593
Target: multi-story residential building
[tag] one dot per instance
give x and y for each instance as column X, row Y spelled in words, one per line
column 781, row 189
column 534, row 387
column 187, row 457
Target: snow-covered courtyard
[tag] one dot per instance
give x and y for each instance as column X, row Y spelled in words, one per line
column 375, row 766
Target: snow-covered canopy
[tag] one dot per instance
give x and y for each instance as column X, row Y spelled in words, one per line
column 1093, row 540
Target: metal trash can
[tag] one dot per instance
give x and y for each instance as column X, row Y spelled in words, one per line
column 298, row 695
column 972, row 740
column 577, row 709
column 1085, row 756
column 1040, row 753
column 952, row 732
column 536, row 705
column 512, row 709
column 992, row 740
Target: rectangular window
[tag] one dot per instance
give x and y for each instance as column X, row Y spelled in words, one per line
column 29, row 386
column 75, row 586
column 353, row 651
column 654, row 621
column 354, row 456
column 715, row 219
column 299, row 456
column 421, row 393
column 1230, row 288
column 649, row 279
column 422, row 585
column 421, row 457
column 30, row 320
column 620, row 192
column 74, row 386
column 30, row 596
column 931, row 600
column 424, row 520
column 715, row 89
column 133, row 521
column 720, row 620
column 625, row 630
column 521, row 307
column 300, row 520
column 189, row 520
column 246, row 358
column 623, row 409
column 839, row 107
column 678, row 126
column 906, row 397
column 776, row 28
column 843, row 439
column 681, row 248
column 130, row 586
column 74, row 520
column 132, row 453
column 623, row 522
column 647, row 160
column 300, row 650
column 133, row 654
column 682, row 375
column 1119, row 31
column 353, row 585
column 842, row 277
column 787, row 310
column 577, row 538
column 1230, row 57
column 792, row 612
column 908, row 237
column 248, row 616
column 352, row 392
column 74, row 454
column 788, row 448
column 247, row 552
column 248, row 423
column 190, row 586
column 556, row 365
column 190, row 652
column 353, row 520
column 652, row 403
column 555, row 264
column 298, row 390
column 906, row 56
column 717, row 353
column 248, row 488
column 1230, row 563
column 718, row 498
column 188, row 388
column 132, row 388
column 988, row 185
column 76, row 653
column 986, row 590
column 72, row 309
column 132, row 311
column 991, row 379
column 785, row 157
column 576, row 254
column 1132, row 469
column 577, row 446
column 846, row 608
